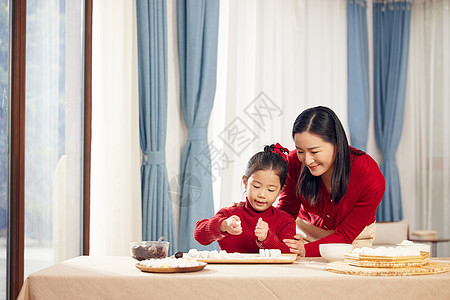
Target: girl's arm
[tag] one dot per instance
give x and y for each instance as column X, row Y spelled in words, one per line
column 208, row 230
column 274, row 241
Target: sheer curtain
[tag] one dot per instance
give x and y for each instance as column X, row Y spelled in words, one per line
column 115, row 170
column 275, row 59
column 425, row 144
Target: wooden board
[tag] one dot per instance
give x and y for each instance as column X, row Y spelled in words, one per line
column 251, row 258
column 431, row 268
column 201, row 266
column 387, row 261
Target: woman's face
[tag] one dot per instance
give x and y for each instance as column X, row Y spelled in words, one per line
column 263, row 188
column 315, row 153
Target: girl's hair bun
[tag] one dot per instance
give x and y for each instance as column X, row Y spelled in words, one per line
column 273, row 157
column 278, row 149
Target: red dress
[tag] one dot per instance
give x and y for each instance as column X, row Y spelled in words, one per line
column 281, row 226
column 355, row 210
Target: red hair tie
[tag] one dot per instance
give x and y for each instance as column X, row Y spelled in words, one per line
column 278, row 149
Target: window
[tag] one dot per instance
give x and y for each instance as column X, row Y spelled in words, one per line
column 53, row 132
column 49, row 133
column 4, row 138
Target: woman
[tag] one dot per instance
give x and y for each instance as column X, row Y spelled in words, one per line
column 332, row 188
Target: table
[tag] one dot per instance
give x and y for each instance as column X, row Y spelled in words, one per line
column 433, row 242
column 116, row 277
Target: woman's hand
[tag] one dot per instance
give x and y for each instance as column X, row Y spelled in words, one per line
column 232, row 225
column 296, row 245
column 261, row 230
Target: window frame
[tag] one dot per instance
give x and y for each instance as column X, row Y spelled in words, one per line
column 16, row 207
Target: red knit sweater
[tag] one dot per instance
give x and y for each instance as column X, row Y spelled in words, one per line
column 281, row 226
column 355, row 210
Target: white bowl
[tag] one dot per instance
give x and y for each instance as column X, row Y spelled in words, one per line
column 336, row 251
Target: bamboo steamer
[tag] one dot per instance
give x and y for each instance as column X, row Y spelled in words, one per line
column 344, row 268
column 387, row 261
column 365, row 265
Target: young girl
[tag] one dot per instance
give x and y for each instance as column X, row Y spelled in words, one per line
column 257, row 224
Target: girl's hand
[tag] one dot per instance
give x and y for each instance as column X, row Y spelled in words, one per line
column 296, row 245
column 261, row 230
column 232, row 225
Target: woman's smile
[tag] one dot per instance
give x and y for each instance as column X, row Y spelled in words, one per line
column 312, row 168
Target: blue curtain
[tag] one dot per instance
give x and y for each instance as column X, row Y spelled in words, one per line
column 198, row 24
column 157, row 215
column 391, row 26
column 358, row 73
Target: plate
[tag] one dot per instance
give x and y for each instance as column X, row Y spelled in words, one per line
column 201, row 266
column 251, row 258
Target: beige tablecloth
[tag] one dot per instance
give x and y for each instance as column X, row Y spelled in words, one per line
column 90, row 277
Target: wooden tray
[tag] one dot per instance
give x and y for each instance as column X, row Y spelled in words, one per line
column 387, row 261
column 252, row 258
column 201, row 266
column 431, row 268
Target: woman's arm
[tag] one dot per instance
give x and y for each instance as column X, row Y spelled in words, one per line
column 296, row 245
column 288, row 201
column 354, row 222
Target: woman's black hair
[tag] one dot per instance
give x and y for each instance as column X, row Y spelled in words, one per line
column 268, row 160
column 324, row 123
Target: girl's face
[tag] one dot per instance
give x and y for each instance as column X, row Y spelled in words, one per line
column 315, row 153
column 263, row 188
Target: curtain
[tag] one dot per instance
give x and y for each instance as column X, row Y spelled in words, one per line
column 391, row 26
column 275, row 59
column 157, row 216
column 358, row 73
column 115, row 153
column 197, row 49
column 425, row 144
